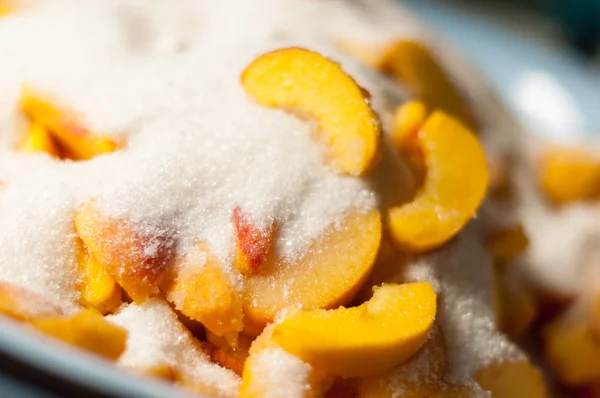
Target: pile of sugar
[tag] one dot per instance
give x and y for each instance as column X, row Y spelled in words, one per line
column 461, row 273
column 282, row 374
column 157, row 338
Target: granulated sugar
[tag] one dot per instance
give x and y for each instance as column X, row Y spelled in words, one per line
column 462, row 272
column 157, row 338
column 283, row 375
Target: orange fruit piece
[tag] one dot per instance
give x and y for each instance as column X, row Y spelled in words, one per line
column 87, row 330
column 408, row 120
column 253, row 243
column 307, row 82
column 24, row 305
column 365, row 340
column 512, row 380
column 203, row 292
column 98, row 289
column 414, row 66
column 454, row 187
column 123, row 250
column 38, row 139
column 329, row 274
column 66, row 127
column 572, row 350
column 569, row 174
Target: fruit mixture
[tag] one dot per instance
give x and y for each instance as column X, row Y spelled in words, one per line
column 285, row 198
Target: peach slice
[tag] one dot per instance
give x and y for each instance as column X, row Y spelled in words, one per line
column 414, row 66
column 455, row 185
column 309, row 83
column 409, row 118
column 135, row 257
column 98, row 289
column 369, row 339
column 6, row 7
column 329, row 274
column 572, row 351
column 507, row 244
column 569, row 174
column 202, row 292
column 38, row 139
column 24, row 305
column 66, row 127
column 87, row 330
column 253, row 243
column 512, row 380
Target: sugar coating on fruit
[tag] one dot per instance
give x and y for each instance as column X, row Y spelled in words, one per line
column 462, row 273
column 281, row 374
column 157, row 338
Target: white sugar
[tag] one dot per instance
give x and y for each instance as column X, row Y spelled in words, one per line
column 462, row 273
column 283, row 375
column 157, row 338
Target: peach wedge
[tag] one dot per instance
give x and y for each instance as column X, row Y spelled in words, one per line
column 24, row 305
column 66, row 127
column 87, row 330
column 329, row 274
column 122, row 249
column 365, row 340
column 454, row 186
column 38, row 139
column 569, row 174
column 308, row 83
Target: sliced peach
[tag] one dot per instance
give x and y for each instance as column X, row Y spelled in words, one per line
column 455, row 185
column 87, row 330
column 569, row 174
column 329, row 274
column 309, row 83
column 507, row 244
column 76, row 140
column 203, row 292
column 365, row 340
column 572, row 351
column 512, row 380
column 98, row 289
column 6, row 7
column 408, row 120
column 135, row 257
column 24, row 305
column 414, row 66
column 38, row 139
column 253, row 243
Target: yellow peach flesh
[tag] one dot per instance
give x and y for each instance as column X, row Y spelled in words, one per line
column 369, row 339
column 454, row 187
column 24, row 305
column 305, row 81
column 512, row 380
column 330, row 273
column 38, row 139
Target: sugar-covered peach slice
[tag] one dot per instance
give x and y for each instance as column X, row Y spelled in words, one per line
column 512, row 380
column 369, row 339
column 87, row 330
column 408, row 120
column 24, row 305
column 506, row 244
column 414, row 66
column 66, row 127
column 308, row 83
column 38, row 139
column 136, row 257
column 202, row 291
column 454, row 187
column 253, row 243
column 330, row 272
column 97, row 287
column 572, row 350
column 569, row 174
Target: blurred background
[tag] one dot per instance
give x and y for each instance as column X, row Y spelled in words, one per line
column 541, row 55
